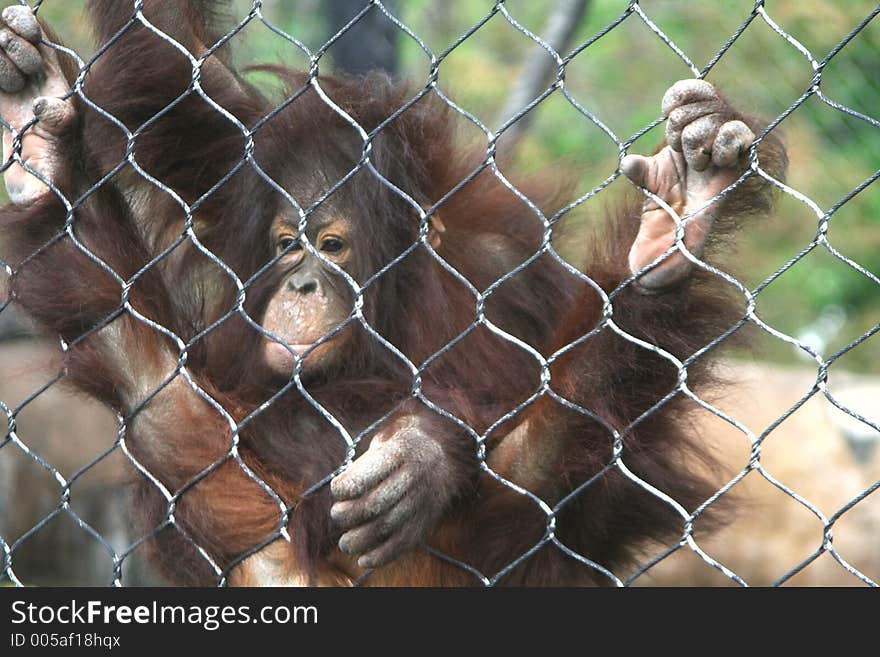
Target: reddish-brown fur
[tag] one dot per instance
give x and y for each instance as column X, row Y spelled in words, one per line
column 417, row 306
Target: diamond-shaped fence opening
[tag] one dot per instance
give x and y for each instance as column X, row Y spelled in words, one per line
column 565, row 411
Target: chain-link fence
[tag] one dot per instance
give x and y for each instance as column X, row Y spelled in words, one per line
column 798, row 467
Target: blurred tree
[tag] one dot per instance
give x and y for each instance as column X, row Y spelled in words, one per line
column 539, row 68
column 370, row 44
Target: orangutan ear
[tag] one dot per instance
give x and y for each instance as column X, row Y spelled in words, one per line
column 435, row 231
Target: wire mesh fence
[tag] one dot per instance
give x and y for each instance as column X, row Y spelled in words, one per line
column 56, row 517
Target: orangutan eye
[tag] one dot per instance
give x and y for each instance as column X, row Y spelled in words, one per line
column 288, row 244
column 332, row 245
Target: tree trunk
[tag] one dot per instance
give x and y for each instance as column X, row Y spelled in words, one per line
column 370, row 44
column 539, row 67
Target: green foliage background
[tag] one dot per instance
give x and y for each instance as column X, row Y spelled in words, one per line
column 620, row 79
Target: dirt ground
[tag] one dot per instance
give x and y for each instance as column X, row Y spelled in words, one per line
column 809, row 453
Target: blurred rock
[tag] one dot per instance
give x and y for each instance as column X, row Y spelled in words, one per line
column 59, row 433
column 813, row 454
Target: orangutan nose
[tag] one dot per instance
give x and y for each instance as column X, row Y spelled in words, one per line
column 303, row 282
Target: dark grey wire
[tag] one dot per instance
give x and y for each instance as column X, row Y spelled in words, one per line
column 617, row 435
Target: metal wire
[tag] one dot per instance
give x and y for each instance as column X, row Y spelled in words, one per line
column 631, row 12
